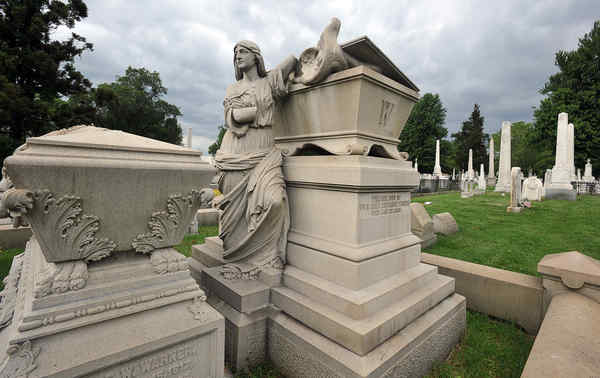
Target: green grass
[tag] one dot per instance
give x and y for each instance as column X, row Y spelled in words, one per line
column 490, row 348
column 6, row 258
column 185, row 247
column 490, row 236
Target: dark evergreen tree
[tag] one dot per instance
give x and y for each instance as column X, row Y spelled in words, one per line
column 35, row 71
column 575, row 89
column 471, row 136
column 424, row 125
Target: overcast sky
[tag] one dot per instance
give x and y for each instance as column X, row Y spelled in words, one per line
column 497, row 54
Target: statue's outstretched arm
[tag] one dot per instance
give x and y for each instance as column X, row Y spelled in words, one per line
column 288, row 65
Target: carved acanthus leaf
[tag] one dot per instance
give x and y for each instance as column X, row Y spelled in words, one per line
column 63, row 232
column 167, row 228
column 21, row 360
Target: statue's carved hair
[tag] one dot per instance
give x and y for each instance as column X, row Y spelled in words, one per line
column 253, row 47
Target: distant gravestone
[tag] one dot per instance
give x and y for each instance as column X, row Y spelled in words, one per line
column 421, row 224
column 445, row 224
column 515, row 191
column 533, row 189
column 587, row 173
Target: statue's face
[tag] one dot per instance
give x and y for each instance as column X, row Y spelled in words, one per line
column 244, row 58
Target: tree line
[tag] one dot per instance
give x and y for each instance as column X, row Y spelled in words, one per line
column 574, row 89
column 41, row 90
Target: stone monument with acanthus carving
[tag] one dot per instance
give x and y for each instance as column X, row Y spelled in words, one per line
column 99, row 290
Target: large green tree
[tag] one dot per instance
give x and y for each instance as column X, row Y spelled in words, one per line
column 525, row 151
column 424, row 125
column 134, row 103
column 575, row 89
column 35, row 70
column 471, row 136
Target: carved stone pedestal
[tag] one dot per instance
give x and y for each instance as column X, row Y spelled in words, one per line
column 245, row 304
column 127, row 315
column 355, row 299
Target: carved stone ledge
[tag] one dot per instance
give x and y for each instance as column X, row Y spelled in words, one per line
column 167, row 228
column 64, row 233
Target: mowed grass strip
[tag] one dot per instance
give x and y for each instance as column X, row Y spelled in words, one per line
column 490, row 348
column 490, row 236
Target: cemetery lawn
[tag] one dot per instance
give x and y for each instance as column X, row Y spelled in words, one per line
column 488, row 235
column 490, row 348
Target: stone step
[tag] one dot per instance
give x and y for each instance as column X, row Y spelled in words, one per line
column 246, row 296
column 208, row 254
column 362, row 336
column 359, row 304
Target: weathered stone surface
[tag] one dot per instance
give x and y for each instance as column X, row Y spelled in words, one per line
column 127, row 318
column 511, row 296
column 300, row 352
column 444, row 223
column 470, row 170
column 587, row 174
column 421, row 224
column 562, row 172
column 573, row 268
column 481, row 182
column 515, row 191
column 437, row 169
column 88, row 171
column 567, row 344
column 533, row 189
column 491, row 180
column 503, row 184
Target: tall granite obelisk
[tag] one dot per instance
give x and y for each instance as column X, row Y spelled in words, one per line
column 572, row 152
column 481, row 182
column 504, row 178
column 470, row 171
column 437, row 169
column 491, row 180
column 561, row 187
column 189, row 138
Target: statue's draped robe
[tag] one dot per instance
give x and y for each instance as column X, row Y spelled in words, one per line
column 255, row 218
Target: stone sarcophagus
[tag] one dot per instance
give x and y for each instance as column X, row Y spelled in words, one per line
column 97, row 191
column 99, row 290
column 357, row 111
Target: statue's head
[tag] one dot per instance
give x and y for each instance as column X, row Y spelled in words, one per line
column 252, row 48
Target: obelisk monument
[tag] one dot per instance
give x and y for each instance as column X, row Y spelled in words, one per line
column 470, row 171
column 572, row 152
column 561, row 187
column 437, row 169
column 504, row 178
column 491, row 180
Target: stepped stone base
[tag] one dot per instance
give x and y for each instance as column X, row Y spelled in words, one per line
column 491, row 181
column 299, row 351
